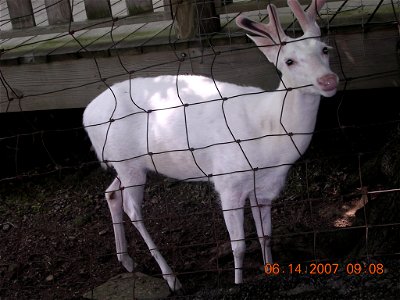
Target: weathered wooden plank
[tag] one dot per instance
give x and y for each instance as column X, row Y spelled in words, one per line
column 144, row 34
column 136, row 7
column 58, row 11
column 109, row 38
column 97, row 9
column 30, row 50
column 14, row 42
column 96, row 40
column 81, row 25
column 79, row 42
column 62, row 45
column 3, row 41
column 164, row 36
column 21, row 13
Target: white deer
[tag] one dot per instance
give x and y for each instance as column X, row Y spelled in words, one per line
column 242, row 139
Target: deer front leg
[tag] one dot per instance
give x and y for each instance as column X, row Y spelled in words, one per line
column 115, row 204
column 261, row 209
column 233, row 211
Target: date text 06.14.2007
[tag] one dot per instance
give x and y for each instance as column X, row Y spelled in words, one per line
column 325, row 268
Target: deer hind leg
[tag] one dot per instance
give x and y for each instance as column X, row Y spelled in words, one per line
column 114, row 200
column 233, row 210
column 132, row 204
column 261, row 210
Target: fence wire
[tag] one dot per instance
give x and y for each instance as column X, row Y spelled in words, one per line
column 329, row 197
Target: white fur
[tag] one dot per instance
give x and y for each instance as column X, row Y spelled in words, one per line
column 254, row 167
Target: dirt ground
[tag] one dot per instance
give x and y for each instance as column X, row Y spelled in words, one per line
column 57, row 242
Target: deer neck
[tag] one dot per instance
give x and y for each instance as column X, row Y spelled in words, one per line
column 298, row 115
column 299, row 110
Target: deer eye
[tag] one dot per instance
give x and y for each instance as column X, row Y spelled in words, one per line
column 325, row 50
column 289, row 62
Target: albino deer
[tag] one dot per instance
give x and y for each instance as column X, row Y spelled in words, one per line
column 241, row 139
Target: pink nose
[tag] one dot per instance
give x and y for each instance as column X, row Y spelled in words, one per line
column 328, row 82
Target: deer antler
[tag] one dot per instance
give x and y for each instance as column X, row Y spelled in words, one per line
column 307, row 18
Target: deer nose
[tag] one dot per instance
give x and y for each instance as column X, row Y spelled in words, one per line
column 328, row 82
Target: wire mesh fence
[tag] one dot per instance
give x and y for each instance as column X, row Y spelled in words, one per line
column 340, row 205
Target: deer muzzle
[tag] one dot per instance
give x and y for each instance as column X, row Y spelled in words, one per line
column 328, row 82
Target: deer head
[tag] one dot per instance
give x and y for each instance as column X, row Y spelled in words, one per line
column 303, row 61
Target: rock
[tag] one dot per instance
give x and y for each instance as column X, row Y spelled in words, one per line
column 50, row 278
column 130, row 286
column 6, row 227
column 103, row 232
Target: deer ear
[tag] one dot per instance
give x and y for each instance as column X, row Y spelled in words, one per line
column 272, row 30
column 254, row 27
column 267, row 47
column 269, row 36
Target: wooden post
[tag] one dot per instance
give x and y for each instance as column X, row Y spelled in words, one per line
column 136, row 7
column 21, row 13
column 58, row 12
column 97, row 9
column 194, row 18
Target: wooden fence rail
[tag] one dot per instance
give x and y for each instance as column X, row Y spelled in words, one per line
column 187, row 13
column 59, row 11
column 191, row 17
